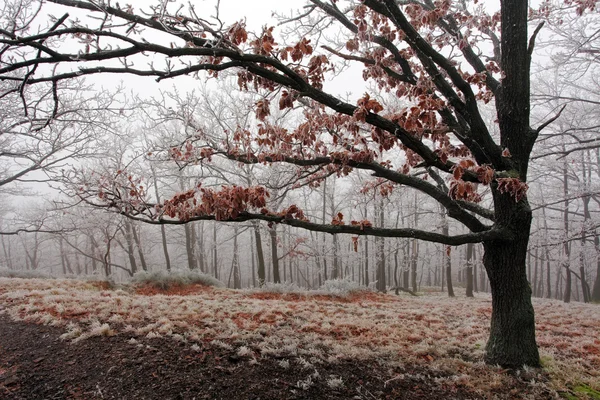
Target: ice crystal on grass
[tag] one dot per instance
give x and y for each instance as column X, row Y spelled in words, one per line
column 305, row 384
column 96, row 329
column 244, row 351
column 221, row 344
column 430, row 332
column 164, row 280
column 10, row 273
column 333, row 287
column 341, row 287
column 153, row 335
column 73, row 331
column 335, row 382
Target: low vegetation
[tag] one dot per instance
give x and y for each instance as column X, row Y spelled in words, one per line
column 336, row 323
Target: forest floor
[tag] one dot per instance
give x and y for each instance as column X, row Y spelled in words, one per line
column 64, row 339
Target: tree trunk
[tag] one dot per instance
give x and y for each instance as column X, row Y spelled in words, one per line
column 366, row 242
column 406, row 265
column 380, row 245
column 475, row 282
column 95, row 252
column 136, row 239
column 469, row 270
column 259, row 254
column 7, row 255
column 190, row 244
column 163, row 234
column 253, row 260
column 448, row 258
column 396, row 265
column 413, row 265
column 237, row 281
column 596, row 291
column 130, row 250
column 235, row 264
column 535, row 273
column 323, row 220
column 215, row 253
column 512, row 335
column 449, row 275
column 335, row 272
column 163, row 229
column 64, row 259
column 200, row 246
column 274, row 255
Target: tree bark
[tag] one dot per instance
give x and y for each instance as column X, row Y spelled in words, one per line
column 163, row 230
column 190, row 244
column 447, row 257
column 596, row 290
column 259, row 255
column 237, row 282
column 535, row 273
column 274, row 255
column 215, row 252
column 469, row 270
column 335, row 272
column 566, row 264
column 512, row 335
column 200, row 257
column 253, row 260
column 138, row 244
column 475, row 263
column 366, row 242
column 130, row 250
column 7, row 255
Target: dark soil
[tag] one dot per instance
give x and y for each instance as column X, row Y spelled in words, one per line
column 36, row 364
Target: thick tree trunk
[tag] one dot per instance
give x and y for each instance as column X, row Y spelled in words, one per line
column 512, row 336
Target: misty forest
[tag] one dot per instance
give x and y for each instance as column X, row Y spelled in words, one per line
column 310, row 199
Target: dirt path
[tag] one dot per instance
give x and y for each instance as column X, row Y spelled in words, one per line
column 36, row 364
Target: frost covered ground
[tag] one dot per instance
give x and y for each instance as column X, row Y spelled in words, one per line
column 433, row 331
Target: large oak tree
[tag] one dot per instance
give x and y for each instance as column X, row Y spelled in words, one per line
column 427, row 53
